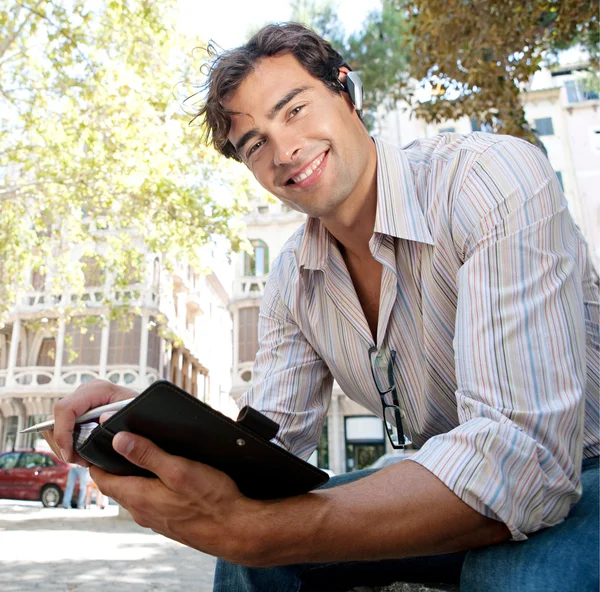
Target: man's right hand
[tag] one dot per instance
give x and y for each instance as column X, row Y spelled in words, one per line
column 87, row 396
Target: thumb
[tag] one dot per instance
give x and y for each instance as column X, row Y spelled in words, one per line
column 147, row 455
column 177, row 473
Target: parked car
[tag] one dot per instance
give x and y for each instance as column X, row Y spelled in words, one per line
column 34, row 475
column 391, row 457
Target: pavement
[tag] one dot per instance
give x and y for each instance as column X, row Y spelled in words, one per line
column 93, row 550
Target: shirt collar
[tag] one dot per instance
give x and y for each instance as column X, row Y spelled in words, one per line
column 399, row 212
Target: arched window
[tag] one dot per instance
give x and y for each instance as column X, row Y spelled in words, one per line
column 257, row 263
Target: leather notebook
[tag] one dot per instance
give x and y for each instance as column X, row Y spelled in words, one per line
column 185, row 426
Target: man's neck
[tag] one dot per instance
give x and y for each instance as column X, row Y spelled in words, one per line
column 353, row 222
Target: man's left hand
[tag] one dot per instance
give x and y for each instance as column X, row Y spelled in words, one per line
column 190, row 502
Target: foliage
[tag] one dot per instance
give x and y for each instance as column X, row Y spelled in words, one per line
column 478, row 53
column 380, row 54
column 96, row 157
column 377, row 52
column 473, row 55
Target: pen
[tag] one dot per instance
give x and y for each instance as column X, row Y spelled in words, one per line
column 87, row 416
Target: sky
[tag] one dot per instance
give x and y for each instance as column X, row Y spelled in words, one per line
column 227, row 22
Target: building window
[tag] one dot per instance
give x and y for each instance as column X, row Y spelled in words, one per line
column 92, row 272
column 447, row 130
column 578, row 91
column 153, row 360
column 364, row 441
column 248, row 334
column 47, row 351
column 560, row 179
column 29, row 440
column 124, row 343
column 263, row 210
column 544, row 126
column 257, row 263
column 475, row 125
column 38, row 281
column 323, row 448
column 12, row 423
column 46, row 357
column 82, row 349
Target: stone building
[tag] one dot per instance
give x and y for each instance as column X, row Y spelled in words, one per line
column 43, row 357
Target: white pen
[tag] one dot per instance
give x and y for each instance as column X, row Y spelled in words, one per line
column 87, row 416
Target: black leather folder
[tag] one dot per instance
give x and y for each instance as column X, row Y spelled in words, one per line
column 184, row 426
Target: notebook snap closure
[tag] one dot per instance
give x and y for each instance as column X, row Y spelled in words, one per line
column 240, row 442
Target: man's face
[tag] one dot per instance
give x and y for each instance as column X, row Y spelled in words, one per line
column 303, row 143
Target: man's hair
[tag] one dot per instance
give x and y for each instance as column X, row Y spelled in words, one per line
column 230, row 68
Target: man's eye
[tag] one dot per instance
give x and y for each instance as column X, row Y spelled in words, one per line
column 255, row 147
column 296, row 110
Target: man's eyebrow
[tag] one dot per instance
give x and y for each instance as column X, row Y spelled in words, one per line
column 249, row 134
column 285, row 100
column 272, row 113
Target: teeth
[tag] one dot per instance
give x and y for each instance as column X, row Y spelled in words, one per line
column 309, row 171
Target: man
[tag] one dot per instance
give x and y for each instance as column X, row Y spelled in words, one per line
column 76, row 472
column 446, row 281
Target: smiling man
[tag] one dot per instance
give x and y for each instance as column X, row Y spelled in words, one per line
column 446, row 288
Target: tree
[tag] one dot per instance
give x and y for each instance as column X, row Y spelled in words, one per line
column 477, row 54
column 378, row 52
column 95, row 153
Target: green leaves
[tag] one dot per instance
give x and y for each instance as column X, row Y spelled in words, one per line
column 95, row 155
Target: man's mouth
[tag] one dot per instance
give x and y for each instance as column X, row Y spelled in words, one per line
column 302, row 178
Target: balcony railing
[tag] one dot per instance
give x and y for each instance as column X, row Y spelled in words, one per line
column 96, row 297
column 249, row 287
column 42, row 377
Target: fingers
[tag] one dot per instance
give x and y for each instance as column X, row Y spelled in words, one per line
column 178, row 474
column 126, row 491
column 106, row 416
column 85, row 397
column 171, row 470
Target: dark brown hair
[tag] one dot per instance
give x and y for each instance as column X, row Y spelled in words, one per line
column 230, row 68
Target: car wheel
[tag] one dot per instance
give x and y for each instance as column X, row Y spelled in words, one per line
column 51, row 496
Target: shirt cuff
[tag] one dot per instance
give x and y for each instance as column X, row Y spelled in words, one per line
column 494, row 468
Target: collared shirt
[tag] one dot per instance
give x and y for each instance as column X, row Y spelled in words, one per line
column 490, row 301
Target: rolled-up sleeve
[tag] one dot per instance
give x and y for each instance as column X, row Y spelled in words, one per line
column 291, row 383
column 519, row 345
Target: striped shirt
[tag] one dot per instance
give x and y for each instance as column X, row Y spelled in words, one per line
column 491, row 303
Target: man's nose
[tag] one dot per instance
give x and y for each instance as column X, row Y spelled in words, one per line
column 286, row 149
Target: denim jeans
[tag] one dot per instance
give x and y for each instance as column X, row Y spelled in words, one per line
column 74, row 474
column 563, row 558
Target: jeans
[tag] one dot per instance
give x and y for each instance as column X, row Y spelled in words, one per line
column 74, row 473
column 563, row 558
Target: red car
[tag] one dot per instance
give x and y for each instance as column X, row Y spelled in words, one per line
column 35, row 476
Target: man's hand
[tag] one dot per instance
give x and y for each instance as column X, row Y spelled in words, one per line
column 189, row 502
column 87, row 396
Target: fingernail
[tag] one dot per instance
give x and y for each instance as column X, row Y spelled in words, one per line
column 123, row 443
column 64, row 455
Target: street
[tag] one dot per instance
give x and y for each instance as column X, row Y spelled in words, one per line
column 53, row 549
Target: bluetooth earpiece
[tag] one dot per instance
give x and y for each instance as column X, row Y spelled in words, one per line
column 354, row 87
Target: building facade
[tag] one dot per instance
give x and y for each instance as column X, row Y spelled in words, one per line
column 181, row 331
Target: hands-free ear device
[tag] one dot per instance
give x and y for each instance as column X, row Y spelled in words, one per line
column 353, row 85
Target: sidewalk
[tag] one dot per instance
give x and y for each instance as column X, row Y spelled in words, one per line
column 52, row 549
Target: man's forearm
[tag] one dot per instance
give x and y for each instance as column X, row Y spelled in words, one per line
column 401, row 511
